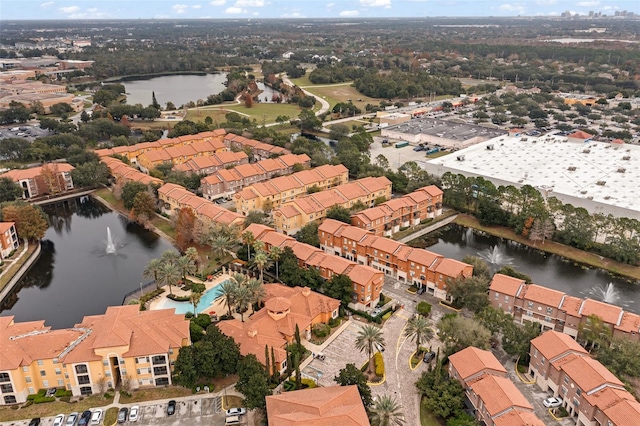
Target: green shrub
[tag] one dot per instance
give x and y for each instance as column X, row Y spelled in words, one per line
column 107, row 395
column 178, row 298
column 334, row 322
column 65, row 398
column 31, row 397
column 321, row 330
column 308, row 383
column 424, row 308
column 387, row 316
column 288, row 386
column 63, row 392
column 144, row 299
column 43, row 399
column 188, row 315
column 379, row 363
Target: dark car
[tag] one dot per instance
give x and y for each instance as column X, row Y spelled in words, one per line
column 122, row 414
column 171, row 408
column 428, row 356
column 85, row 417
column 34, row 422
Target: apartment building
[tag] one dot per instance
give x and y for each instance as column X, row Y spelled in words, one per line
column 387, row 218
column 292, row 215
column 590, row 393
column 8, row 239
column 214, row 139
column 175, row 197
column 495, row 399
column 226, row 182
column 124, row 173
column 281, row 189
column 124, row 345
column 367, row 282
column 179, row 153
column 275, row 324
column 555, row 310
column 48, row 179
column 206, row 165
column 258, row 150
column 407, row 264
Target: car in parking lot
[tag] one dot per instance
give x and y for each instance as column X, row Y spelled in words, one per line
column 236, row 412
column 96, row 417
column 72, row 419
column 34, row 421
column 552, row 402
column 134, row 412
column 85, row 417
column 375, row 312
column 418, row 148
column 171, row 408
column 428, row 356
column 58, row 420
column 122, row 414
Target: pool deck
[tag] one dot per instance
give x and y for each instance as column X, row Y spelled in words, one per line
column 216, row 306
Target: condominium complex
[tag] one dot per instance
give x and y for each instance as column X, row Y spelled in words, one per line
column 558, row 311
column 175, row 197
column 292, row 215
column 180, row 153
column 590, row 393
column 367, row 281
column 206, row 165
column 124, row 347
column 125, row 173
column 8, row 239
column 258, row 150
column 408, row 210
column 274, row 192
column 49, row 179
column 495, row 399
column 226, row 182
column 407, row 264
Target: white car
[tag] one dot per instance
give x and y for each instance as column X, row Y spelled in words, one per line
column 552, row 402
column 72, row 419
column 236, row 412
column 133, row 413
column 58, row 420
column 96, row 417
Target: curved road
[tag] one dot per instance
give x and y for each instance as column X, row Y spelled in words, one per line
column 325, row 105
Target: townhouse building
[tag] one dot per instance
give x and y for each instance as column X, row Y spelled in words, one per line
column 496, row 401
column 409, row 265
column 292, row 215
column 175, row 197
column 124, row 173
column 122, row 346
column 367, row 281
column 274, row 192
column 226, row 182
column 258, row 150
column 555, row 310
column 8, row 239
column 48, row 179
column 408, row 210
column 206, row 165
column 179, row 153
column 590, row 393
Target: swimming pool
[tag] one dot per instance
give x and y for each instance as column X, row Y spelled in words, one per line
column 183, row 307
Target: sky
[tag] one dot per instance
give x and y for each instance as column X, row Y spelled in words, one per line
column 233, row 9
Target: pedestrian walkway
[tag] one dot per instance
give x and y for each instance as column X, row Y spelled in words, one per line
column 430, row 228
column 8, row 263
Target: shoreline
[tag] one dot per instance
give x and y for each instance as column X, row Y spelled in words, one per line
column 33, row 258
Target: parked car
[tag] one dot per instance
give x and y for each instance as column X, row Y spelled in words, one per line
column 421, row 290
column 35, row 421
column 122, row 414
column 58, row 420
column 72, row 419
column 418, row 148
column 96, row 418
column 428, row 356
column 552, row 402
column 85, row 417
column 171, row 408
column 236, row 412
column 51, row 392
column 134, row 413
column 375, row 312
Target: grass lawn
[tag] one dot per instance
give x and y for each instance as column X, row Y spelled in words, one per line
column 49, row 409
column 341, row 93
column 261, row 112
column 108, row 196
column 14, row 266
column 155, row 393
column 164, row 225
column 428, row 419
column 110, row 416
column 302, row 81
column 232, row 401
column 199, row 114
column 572, row 253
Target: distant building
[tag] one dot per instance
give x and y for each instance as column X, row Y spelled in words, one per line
column 49, row 179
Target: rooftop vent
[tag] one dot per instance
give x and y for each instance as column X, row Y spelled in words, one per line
column 626, row 157
column 490, row 147
column 586, row 151
column 601, row 182
column 460, row 158
column 621, row 170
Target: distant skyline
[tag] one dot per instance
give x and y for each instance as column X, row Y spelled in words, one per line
column 233, row 9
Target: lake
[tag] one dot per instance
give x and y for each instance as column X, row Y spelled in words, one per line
column 179, row 89
column 547, row 270
column 74, row 275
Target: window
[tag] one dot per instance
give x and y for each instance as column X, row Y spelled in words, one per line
column 159, row 359
column 566, row 380
column 530, row 304
column 86, row 390
column 542, row 360
column 105, row 362
column 58, row 372
column 162, row 381
column 159, row 371
column 497, row 296
column 60, row 382
column 27, row 379
column 506, row 298
column 549, row 310
column 564, row 390
column 40, row 362
column 43, row 373
column 25, row 369
column 4, row 377
column 45, row 383
column 535, row 353
column 578, row 392
column 32, row 390
column 576, row 402
column 81, row 369
column 6, row 388
column 10, row 399
column 83, row 380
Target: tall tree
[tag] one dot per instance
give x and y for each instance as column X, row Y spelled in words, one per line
column 152, row 270
column 169, row 274
column 351, row 375
column 459, row 332
column 339, row 287
column 154, row 101
column 260, row 260
column 309, row 234
column 275, row 253
column 228, row 294
column 418, row 330
column 186, row 265
column 386, row 411
column 9, row 190
column 185, row 224
column 368, row 338
column 253, row 382
column 31, row 222
column 144, row 207
column 248, row 239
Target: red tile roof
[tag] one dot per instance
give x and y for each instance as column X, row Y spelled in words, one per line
column 552, row 344
column 610, row 314
column 505, row 284
column 499, row 394
column 471, row 361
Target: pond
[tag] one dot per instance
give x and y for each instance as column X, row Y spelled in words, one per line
column 74, row 275
column 179, row 89
column 547, row 270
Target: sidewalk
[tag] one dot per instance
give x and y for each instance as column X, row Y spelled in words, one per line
column 8, row 263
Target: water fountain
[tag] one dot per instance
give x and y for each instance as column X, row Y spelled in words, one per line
column 111, row 247
column 495, row 257
column 607, row 294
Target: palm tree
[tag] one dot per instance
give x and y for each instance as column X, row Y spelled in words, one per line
column 169, row 274
column 220, row 245
column 386, row 411
column 275, row 253
column 259, row 246
column 368, row 337
column 228, row 293
column 152, row 269
column 248, row 239
column 238, row 279
column 257, row 291
column 169, row 256
column 193, row 254
column 260, row 260
column 194, row 298
column 186, row 265
column 418, row 330
column 243, row 299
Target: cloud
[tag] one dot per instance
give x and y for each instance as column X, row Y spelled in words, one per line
column 92, row 10
column 217, row 2
column 235, row 10
column 349, row 13
column 69, row 9
column 376, row 3
column 546, row 2
column 249, row 3
column 588, row 3
column 330, row 5
column 517, row 8
column 196, row 6
column 179, row 8
column 293, row 15
column 46, row 4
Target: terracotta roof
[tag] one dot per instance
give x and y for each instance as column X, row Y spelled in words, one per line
column 277, row 304
column 571, row 305
column 505, row 284
column 625, row 413
column 518, row 418
column 542, row 295
column 362, row 274
column 22, row 174
column 630, row 322
column 451, row 267
column 610, row 314
column 471, row 361
column 552, row 344
column 607, row 397
column 5, row 226
column 325, row 406
column 588, row 374
column 331, row 226
column 499, row 394
column 257, row 229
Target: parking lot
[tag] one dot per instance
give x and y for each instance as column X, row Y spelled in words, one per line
column 24, row 131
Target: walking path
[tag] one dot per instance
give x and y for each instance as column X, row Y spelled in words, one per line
column 428, row 229
column 325, row 105
column 17, row 274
